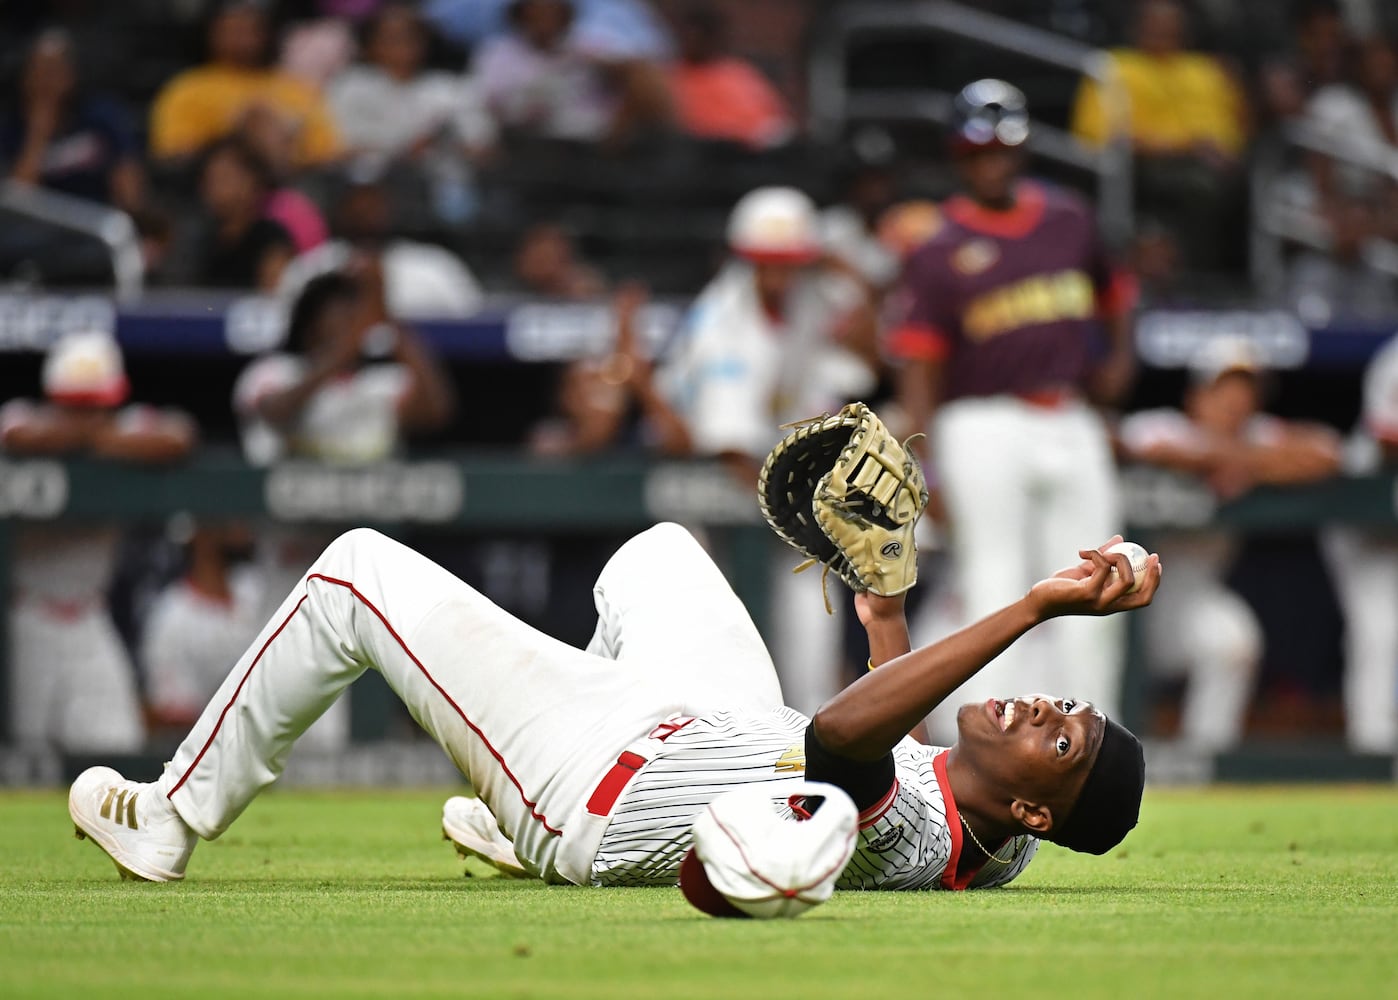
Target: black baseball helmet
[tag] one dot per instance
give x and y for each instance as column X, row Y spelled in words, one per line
column 988, row 113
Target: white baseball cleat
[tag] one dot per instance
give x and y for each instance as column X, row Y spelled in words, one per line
column 470, row 826
column 133, row 823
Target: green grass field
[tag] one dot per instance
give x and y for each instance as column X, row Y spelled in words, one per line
column 1228, row 892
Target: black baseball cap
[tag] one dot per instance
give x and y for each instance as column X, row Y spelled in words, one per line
column 1109, row 804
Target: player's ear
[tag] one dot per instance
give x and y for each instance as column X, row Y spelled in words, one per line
column 1036, row 818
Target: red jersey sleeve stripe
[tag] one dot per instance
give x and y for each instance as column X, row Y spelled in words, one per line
column 917, row 342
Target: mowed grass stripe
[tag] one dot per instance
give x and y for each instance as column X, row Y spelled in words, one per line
column 1228, row 891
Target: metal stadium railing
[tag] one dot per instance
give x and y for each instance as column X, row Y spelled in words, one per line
column 112, row 227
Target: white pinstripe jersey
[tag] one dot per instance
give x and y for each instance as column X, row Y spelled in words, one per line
column 905, row 840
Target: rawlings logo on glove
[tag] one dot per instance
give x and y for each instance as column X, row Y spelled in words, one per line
column 844, row 492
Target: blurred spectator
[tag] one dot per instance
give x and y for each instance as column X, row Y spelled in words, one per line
column 777, row 336
column 850, row 227
column 1198, row 628
column 323, row 398
column 394, row 107
column 718, row 95
column 273, row 139
column 71, row 680
column 56, row 136
column 547, row 263
column 421, row 280
column 543, row 79
column 1319, row 44
column 207, row 102
column 1324, row 288
column 624, row 27
column 1364, row 571
column 199, row 625
column 612, row 402
column 1362, row 118
column 318, row 49
column 1188, row 126
column 242, row 248
column 1156, row 264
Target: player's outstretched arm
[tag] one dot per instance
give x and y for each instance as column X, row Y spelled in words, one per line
column 867, row 719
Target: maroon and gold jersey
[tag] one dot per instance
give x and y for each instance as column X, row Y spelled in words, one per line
column 1011, row 301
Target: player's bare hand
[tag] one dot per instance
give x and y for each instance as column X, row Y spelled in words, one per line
column 1091, row 588
column 873, row 609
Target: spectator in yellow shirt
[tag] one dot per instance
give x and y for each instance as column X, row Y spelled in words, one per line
column 207, row 102
column 1187, row 122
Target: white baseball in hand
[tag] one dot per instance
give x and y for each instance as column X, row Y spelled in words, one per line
column 1137, row 556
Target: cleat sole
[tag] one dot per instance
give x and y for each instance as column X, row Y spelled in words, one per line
column 463, row 852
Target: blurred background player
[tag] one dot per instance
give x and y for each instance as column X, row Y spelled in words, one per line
column 200, row 621
column 71, row 680
column 1201, row 629
column 1008, row 324
column 777, row 336
column 1364, row 570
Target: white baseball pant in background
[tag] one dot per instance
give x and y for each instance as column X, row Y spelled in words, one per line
column 532, row 722
column 1199, row 629
column 1025, row 488
column 1364, row 569
column 71, row 681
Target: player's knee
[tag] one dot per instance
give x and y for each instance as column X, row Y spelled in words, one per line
column 667, row 538
column 356, row 541
column 1231, row 638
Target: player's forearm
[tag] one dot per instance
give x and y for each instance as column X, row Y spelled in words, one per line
column 44, row 438
column 1299, row 461
column 888, row 639
column 430, row 400
column 867, row 719
column 148, row 446
column 280, row 408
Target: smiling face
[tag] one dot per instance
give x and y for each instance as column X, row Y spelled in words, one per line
column 1035, row 748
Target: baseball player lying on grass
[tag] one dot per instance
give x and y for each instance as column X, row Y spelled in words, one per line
column 595, row 763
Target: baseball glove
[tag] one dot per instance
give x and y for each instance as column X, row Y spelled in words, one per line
column 844, row 492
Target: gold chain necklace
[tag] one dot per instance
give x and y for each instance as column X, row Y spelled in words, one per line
column 975, row 840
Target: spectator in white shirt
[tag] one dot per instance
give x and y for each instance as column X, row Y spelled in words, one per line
column 1358, row 118
column 392, row 104
column 545, row 79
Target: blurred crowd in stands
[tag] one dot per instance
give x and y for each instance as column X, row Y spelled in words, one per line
column 375, row 162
